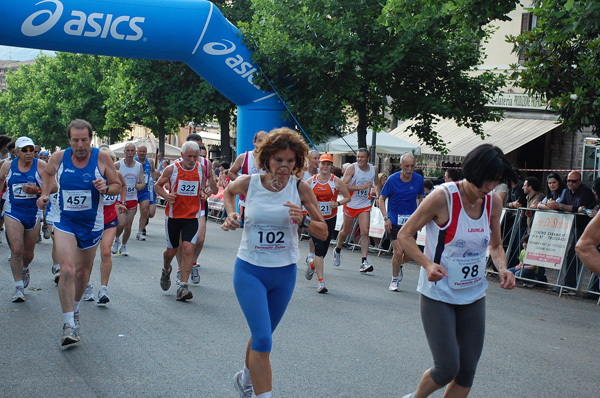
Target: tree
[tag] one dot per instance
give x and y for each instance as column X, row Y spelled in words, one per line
column 562, row 60
column 43, row 97
column 339, row 61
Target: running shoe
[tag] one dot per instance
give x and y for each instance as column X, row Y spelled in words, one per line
column 336, row 258
column 89, row 293
column 140, row 236
column 18, row 296
column 401, row 274
column 178, row 277
column 103, row 296
column 76, row 320
column 46, row 232
column 394, row 286
column 245, row 391
column 309, row 272
column 321, row 288
column 195, row 275
column 165, row 279
column 309, row 258
column 183, row 294
column 144, row 231
column 69, row 336
column 366, row 267
column 123, row 251
column 412, row 395
column 25, row 277
column 115, row 246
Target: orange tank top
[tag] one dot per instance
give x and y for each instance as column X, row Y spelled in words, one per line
column 186, row 184
column 325, row 193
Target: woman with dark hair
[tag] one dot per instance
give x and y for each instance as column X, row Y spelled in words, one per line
column 463, row 221
column 554, row 190
column 265, row 269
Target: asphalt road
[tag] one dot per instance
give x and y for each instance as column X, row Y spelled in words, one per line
column 359, row 340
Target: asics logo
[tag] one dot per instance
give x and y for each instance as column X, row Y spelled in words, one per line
column 236, row 63
column 93, row 25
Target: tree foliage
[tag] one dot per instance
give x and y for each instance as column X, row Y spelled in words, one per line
column 562, row 56
column 339, row 61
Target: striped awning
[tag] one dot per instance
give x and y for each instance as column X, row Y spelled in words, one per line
column 508, row 134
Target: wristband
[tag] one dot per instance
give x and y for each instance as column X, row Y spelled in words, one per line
column 124, row 204
column 106, row 190
column 338, row 203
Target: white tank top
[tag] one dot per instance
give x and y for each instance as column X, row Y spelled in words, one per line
column 460, row 247
column 131, row 176
column 361, row 199
column 269, row 238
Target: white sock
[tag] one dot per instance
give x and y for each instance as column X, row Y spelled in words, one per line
column 76, row 306
column 264, row 395
column 19, row 285
column 246, row 380
column 68, row 318
column 103, row 287
column 117, row 240
column 25, row 268
column 395, row 278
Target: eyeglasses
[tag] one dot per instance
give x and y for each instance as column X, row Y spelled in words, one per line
column 573, row 181
column 27, row 149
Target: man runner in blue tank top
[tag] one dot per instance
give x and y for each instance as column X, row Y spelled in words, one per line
column 84, row 174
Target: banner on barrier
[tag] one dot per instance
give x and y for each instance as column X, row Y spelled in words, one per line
column 377, row 228
column 549, row 239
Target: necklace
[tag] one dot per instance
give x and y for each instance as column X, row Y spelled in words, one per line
column 467, row 196
column 276, row 185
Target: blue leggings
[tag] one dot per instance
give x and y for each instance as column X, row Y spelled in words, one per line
column 263, row 294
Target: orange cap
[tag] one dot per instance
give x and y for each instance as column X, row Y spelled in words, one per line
column 326, row 158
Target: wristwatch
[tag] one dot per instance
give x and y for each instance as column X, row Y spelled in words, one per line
column 305, row 221
column 560, row 207
column 386, row 218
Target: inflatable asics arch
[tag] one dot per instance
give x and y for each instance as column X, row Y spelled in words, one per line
column 191, row 31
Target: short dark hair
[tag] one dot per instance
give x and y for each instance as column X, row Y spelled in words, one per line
column 365, row 150
column 534, row 183
column 525, row 238
column 487, row 163
column 453, row 174
column 80, row 124
column 4, row 140
column 561, row 185
column 427, row 183
column 194, row 137
column 225, row 165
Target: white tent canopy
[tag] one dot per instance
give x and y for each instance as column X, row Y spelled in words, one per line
column 385, row 143
column 171, row 151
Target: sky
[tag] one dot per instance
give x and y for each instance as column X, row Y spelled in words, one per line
column 20, row 54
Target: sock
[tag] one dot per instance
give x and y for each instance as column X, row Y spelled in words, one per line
column 338, row 249
column 364, row 259
column 68, row 318
column 183, row 284
column 395, row 279
column 117, row 240
column 76, row 306
column 246, row 376
column 312, row 266
column 311, row 255
column 103, row 287
column 321, row 280
column 25, row 268
column 19, row 285
column 264, row 395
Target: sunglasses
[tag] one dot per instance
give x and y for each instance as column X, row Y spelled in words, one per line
column 573, row 181
column 27, row 149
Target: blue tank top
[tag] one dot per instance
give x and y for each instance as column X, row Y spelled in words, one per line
column 147, row 174
column 15, row 180
column 79, row 202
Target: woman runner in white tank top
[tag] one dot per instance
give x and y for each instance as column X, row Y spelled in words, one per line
column 463, row 220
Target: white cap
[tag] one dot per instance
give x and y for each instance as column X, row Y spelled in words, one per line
column 22, row 142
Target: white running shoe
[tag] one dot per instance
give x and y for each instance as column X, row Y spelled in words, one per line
column 123, row 251
column 309, row 258
column 366, row 267
column 103, row 296
column 195, row 275
column 89, row 293
column 245, row 391
column 115, row 246
column 309, row 272
column 18, row 296
column 401, row 274
column 394, row 286
column 321, row 288
column 140, row 236
column 178, row 277
column 336, row 258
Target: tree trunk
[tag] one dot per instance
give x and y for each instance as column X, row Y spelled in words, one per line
column 161, row 136
column 224, row 120
column 114, row 136
column 361, row 110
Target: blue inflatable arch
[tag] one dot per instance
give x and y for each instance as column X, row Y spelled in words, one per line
column 191, row 31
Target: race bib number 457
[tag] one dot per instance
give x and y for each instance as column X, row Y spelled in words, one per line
column 77, row 200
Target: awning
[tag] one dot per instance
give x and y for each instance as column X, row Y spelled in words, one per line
column 171, row 151
column 385, row 143
column 210, row 138
column 508, row 134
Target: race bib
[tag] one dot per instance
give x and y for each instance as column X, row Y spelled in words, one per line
column 77, row 200
column 187, row 188
column 402, row 219
column 147, row 178
column 363, row 193
column 268, row 238
column 131, row 193
column 18, row 193
column 465, row 272
column 325, row 208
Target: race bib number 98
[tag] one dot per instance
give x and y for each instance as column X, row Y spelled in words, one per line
column 187, row 188
column 77, row 200
column 464, row 272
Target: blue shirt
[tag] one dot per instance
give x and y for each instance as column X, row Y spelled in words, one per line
column 402, row 196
